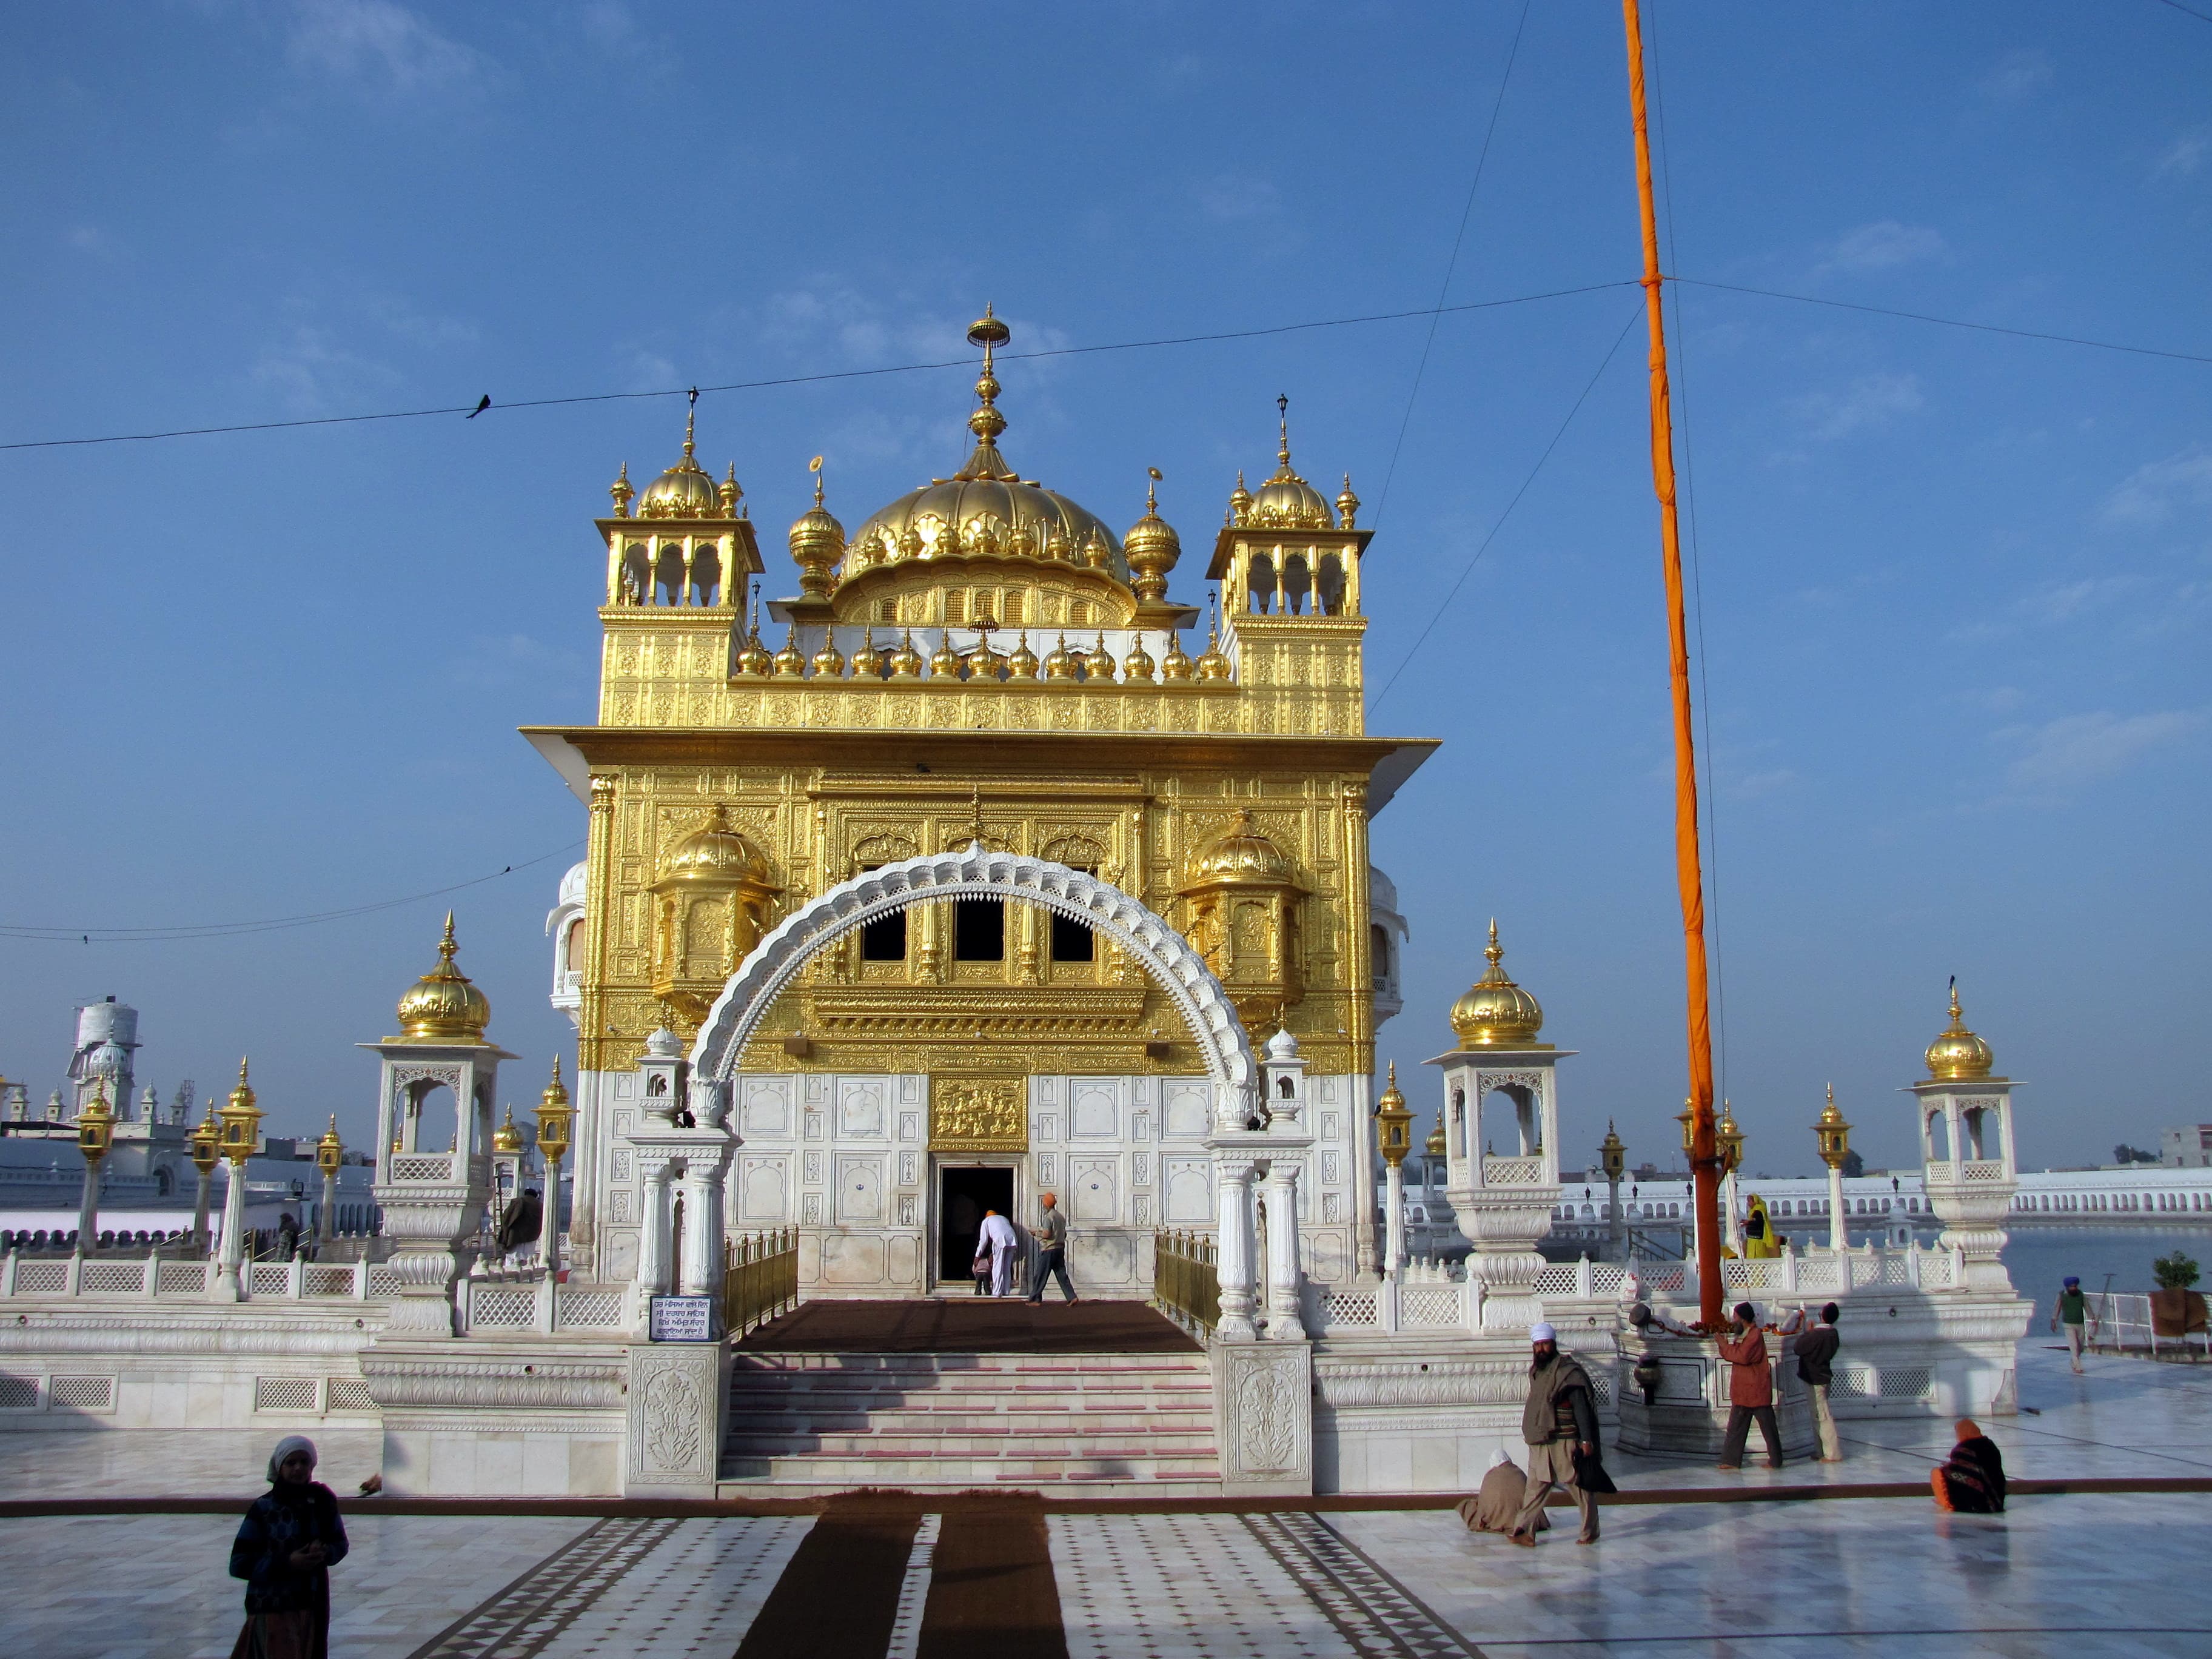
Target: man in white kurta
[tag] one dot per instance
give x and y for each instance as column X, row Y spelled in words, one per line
column 1000, row 1238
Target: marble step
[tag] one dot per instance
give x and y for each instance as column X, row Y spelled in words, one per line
column 1185, row 1477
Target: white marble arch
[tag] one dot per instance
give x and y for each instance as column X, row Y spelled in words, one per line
column 979, row 872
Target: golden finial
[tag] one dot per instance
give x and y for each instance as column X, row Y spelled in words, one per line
column 1347, row 504
column 446, row 948
column 975, row 815
column 689, row 414
column 1496, row 952
column 815, row 467
column 1153, row 491
column 987, row 423
column 621, row 491
column 729, row 491
column 1283, row 455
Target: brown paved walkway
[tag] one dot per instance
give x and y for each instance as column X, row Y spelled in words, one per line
column 983, row 1325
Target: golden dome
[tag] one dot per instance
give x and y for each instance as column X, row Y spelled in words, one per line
column 791, row 661
column 1495, row 1012
column 1436, row 1145
column 1151, row 547
column 1175, row 667
column 715, row 853
column 945, row 661
column 1393, row 1100
column 867, row 661
column 1213, row 666
column 1137, row 664
column 1098, row 662
column 506, row 1138
column 1244, row 855
column 685, row 491
column 1240, row 500
column 1347, row 504
column 1060, row 661
column 1022, row 665
column 817, row 542
column 443, row 1006
column 1286, row 501
column 829, row 661
column 906, row 661
column 986, row 508
column 1958, row 1055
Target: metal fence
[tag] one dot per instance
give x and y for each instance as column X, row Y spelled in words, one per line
column 760, row 1279
column 1185, row 1281
column 2121, row 1323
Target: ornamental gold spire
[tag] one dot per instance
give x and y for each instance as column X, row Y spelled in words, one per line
column 987, row 423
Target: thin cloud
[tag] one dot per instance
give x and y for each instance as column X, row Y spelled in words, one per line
column 2074, row 749
column 2020, row 73
column 1869, row 403
column 312, row 369
column 1236, row 198
column 2156, row 492
column 1884, row 246
column 377, row 43
column 2184, row 155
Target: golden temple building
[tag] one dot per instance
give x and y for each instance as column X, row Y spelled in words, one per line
column 981, row 659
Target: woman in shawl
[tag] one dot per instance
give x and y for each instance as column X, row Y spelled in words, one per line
column 285, row 1547
column 1973, row 1481
column 1759, row 1237
column 1504, row 1489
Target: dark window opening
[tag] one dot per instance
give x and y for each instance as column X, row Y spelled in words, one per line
column 884, row 940
column 1072, row 940
column 979, row 930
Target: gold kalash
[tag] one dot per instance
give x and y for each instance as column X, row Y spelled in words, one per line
column 945, row 675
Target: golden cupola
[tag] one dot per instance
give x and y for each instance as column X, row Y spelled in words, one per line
column 711, row 903
column 1151, row 549
column 1243, row 895
column 687, row 490
column 817, row 543
column 985, row 543
column 1495, row 1012
column 1286, row 501
column 507, row 1138
column 1957, row 1054
column 444, row 1005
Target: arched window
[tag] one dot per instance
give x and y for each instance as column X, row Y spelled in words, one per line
column 706, row 573
column 1297, row 584
column 1379, row 948
column 668, row 575
column 1331, row 584
column 1259, row 589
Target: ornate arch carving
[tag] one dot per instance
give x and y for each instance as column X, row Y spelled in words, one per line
column 1145, row 937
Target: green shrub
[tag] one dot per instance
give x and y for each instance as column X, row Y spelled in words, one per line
column 2174, row 1272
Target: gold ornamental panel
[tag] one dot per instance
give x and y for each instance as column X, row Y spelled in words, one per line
column 978, row 1115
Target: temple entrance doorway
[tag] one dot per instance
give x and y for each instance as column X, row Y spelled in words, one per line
column 963, row 1193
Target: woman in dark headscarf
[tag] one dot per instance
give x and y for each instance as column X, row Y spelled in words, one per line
column 1973, row 1481
column 285, row 1548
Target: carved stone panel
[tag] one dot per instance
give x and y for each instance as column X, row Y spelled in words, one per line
column 763, row 1190
column 1093, row 1193
column 1263, row 1415
column 860, row 1201
column 767, row 1107
column 1094, row 1109
column 1188, row 1103
column 978, row 1115
column 675, row 1395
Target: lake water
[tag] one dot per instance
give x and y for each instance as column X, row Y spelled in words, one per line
column 2039, row 1259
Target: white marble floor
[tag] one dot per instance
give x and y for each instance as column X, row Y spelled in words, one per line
column 2071, row 1577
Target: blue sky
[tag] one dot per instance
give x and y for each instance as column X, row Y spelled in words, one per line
column 1955, row 587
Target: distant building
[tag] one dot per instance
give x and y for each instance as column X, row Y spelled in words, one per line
column 2189, row 1148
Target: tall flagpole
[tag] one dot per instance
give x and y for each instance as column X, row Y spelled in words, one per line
column 1705, row 1153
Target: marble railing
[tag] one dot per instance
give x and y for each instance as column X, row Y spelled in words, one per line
column 154, row 1278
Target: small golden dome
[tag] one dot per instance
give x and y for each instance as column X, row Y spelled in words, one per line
column 1958, row 1055
column 1393, row 1100
column 1286, row 501
column 945, row 661
column 506, row 1138
column 1022, row 665
column 1175, row 667
column 684, row 491
column 1435, row 1142
column 1347, row 504
column 1495, row 1012
column 791, row 661
column 829, row 661
column 1213, row 666
column 715, row 853
column 1151, row 547
column 906, row 661
column 1098, row 663
column 1137, row 666
column 817, row 542
column 753, row 660
column 1240, row 501
column 1060, row 661
column 443, row 1006
column 867, row 661
column 1245, row 854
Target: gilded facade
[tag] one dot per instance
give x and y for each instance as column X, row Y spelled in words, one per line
column 982, row 659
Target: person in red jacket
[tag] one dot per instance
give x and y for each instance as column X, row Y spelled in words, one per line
column 1751, row 1391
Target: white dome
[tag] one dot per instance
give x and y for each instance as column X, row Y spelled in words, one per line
column 108, row 1060
column 1282, row 1046
column 572, row 884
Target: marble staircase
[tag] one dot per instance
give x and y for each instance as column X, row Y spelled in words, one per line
column 1099, row 1425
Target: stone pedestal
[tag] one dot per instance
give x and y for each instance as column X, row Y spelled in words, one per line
column 1263, row 1417
column 678, row 1405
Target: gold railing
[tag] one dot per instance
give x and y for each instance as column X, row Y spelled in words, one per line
column 760, row 1279
column 1185, row 1282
